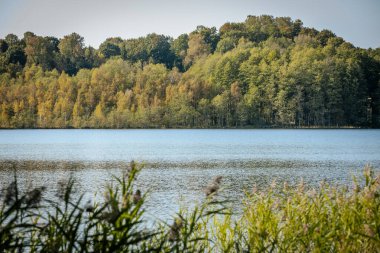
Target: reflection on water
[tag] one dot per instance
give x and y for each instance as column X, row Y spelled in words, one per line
column 180, row 163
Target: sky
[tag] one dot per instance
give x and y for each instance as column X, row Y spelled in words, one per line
column 357, row 21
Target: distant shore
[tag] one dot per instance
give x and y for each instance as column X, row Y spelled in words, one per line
column 199, row 128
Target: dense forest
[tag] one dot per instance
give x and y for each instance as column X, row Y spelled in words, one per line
column 263, row 72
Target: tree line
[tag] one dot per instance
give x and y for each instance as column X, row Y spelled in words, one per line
column 263, row 72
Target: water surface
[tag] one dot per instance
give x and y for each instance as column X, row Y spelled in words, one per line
column 180, row 163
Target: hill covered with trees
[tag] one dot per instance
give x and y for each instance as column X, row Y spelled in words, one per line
column 263, row 72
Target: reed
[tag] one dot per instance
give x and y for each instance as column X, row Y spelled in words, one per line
column 278, row 219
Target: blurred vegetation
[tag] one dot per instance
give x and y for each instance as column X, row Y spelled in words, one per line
column 278, row 219
column 263, row 72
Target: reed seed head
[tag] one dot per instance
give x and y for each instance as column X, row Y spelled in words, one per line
column 218, row 179
column 137, row 197
column 34, row 197
column 273, row 184
column 305, row 228
column 368, row 230
column 61, row 189
column 356, row 188
column 10, row 193
column 214, row 186
column 301, row 186
column 254, row 188
column 286, row 186
column 89, row 207
column 174, row 234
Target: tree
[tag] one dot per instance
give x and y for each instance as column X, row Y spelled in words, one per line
column 40, row 51
column 3, row 46
column 12, row 40
column 110, row 47
column 264, row 71
column 15, row 55
column 71, row 48
column 323, row 36
column 209, row 35
column 197, row 49
column 179, row 47
column 225, row 45
column 158, row 48
column 297, row 27
column 135, row 50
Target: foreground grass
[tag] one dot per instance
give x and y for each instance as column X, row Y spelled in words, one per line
column 279, row 219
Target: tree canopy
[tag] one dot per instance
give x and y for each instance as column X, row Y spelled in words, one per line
column 263, row 72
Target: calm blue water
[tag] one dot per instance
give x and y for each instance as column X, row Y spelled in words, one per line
column 180, row 163
column 190, row 145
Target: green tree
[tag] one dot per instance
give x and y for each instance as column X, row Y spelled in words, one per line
column 179, row 47
column 110, row 47
column 72, row 52
column 40, row 51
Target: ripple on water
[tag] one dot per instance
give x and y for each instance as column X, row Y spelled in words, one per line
column 171, row 184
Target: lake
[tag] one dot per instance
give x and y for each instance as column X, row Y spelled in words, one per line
column 180, row 163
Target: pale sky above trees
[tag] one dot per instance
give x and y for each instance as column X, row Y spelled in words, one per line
column 356, row 21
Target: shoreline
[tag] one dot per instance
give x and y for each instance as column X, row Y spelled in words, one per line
column 201, row 128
